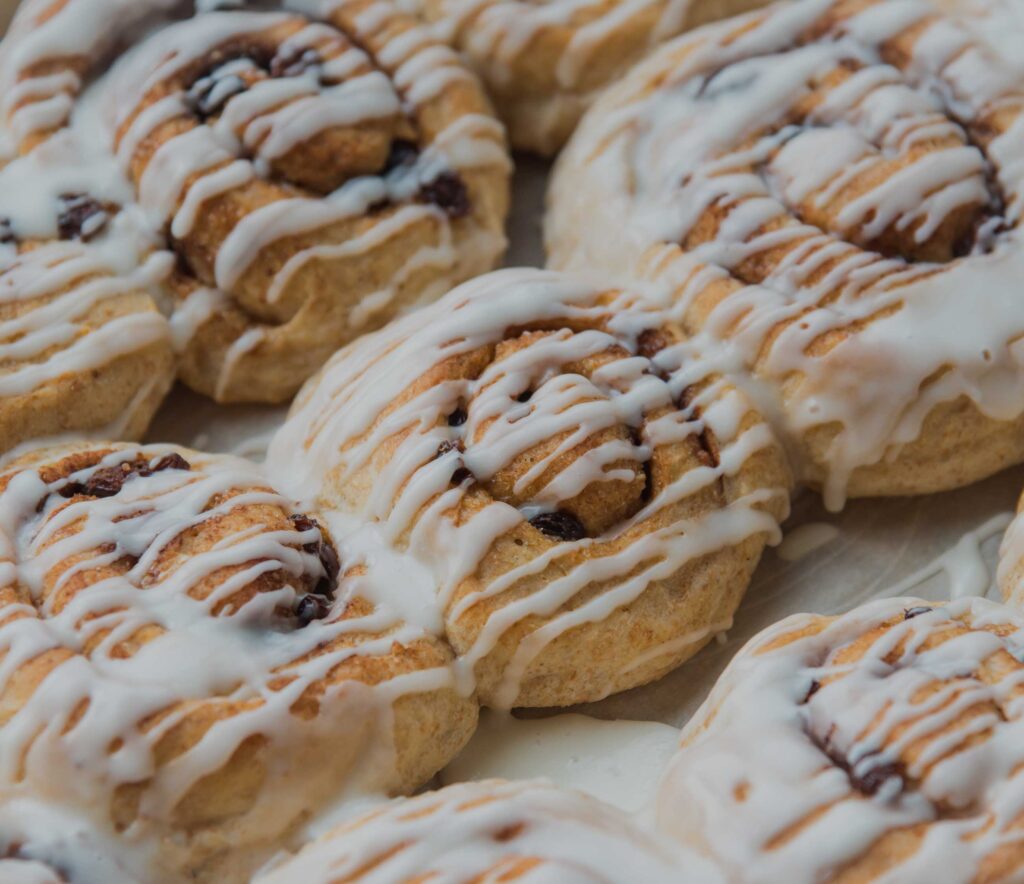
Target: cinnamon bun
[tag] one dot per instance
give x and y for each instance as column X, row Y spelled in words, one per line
column 832, row 189
column 307, row 173
column 545, row 62
column 880, row 745
column 590, row 496
column 186, row 664
column 492, row 831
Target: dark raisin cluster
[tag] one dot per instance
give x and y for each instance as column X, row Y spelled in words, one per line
column 108, row 481
column 317, row 604
column 448, row 192
column 866, row 778
column 294, row 61
column 81, row 217
column 560, row 525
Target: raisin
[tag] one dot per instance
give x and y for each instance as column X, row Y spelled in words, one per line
column 448, row 192
column 294, row 61
column 910, row 613
column 402, row 153
column 331, row 564
column 324, row 551
column 869, row 782
column 650, row 343
column 525, row 396
column 460, row 475
column 457, row 418
column 310, row 608
column 560, row 525
column 172, row 461
column 874, row 778
column 80, row 216
column 7, row 231
column 303, row 524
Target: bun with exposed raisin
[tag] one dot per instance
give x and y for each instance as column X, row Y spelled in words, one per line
column 187, row 664
column 589, row 494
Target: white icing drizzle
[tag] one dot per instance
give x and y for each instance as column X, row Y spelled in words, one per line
column 61, row 284
column 824, row 736
column 86, row 730
column 343, row 419
column 749, row 123
column 545, row 62
column 62, row 303
column 963, row 565
column 494, row 831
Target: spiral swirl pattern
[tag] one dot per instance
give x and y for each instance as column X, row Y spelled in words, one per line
column 590, row 496
column 833, row 190
column 884, row 744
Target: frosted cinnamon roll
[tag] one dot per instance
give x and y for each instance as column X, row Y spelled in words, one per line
column 589, row 495
column 187, row 664
column 833, row 190
column 492, row 831
column 882, row 745
column 310, row 171
column 544, row 61
column 83, row 350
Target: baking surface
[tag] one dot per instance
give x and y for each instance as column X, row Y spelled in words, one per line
column 877, row 547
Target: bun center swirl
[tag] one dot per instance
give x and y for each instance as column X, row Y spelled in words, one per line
column 554, row 428
column 260, row 120
column 556, row 454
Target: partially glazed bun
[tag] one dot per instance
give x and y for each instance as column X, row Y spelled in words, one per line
column 881, row 745
column 545, row 62
column 833, row 189
column 492, row 831
column 590, row 496
column 1010, row 571
column 83, row 350
column 311, row 171
column 187, row 663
